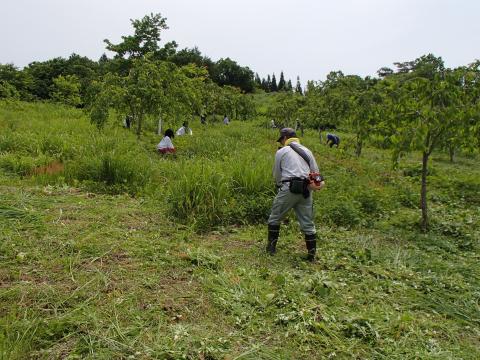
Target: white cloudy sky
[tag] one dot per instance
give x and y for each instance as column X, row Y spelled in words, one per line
column 308, row 38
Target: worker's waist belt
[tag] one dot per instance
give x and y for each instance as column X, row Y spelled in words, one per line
column 293, row 178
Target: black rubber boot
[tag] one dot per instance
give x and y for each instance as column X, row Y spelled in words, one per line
column 311, row 242
column 273, row 232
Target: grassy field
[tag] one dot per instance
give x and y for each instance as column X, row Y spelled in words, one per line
column 115, row 252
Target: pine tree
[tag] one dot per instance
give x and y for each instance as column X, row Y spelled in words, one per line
column 298, row 88
column 258, row 82
column 264, row 85
column 289, row 86
column 281, row 83
column 103, row 59
column 274, row 86
column 269, row 84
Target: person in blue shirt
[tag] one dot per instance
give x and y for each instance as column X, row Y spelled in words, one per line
column 333, row 139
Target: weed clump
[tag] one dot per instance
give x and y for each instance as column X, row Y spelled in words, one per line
column 111, row 172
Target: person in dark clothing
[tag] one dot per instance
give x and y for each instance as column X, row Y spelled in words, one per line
column 128, row 121
column 333, row 139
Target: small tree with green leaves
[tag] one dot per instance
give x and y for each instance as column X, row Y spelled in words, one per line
column 426, row 113
column 151, row 88
column 366, row 111
column 8, row 91
column 66, row 90
column 285, row 108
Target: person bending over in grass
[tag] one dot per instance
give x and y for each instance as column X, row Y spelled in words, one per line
column 296, row 175
column 165, row 146
column 333, row 139
column 184, row 129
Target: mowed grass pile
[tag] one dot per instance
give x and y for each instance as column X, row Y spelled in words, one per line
column 150, row 257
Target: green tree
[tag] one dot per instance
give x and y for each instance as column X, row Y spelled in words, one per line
column 426, row 113
column 66, row 90
column 384, row 72
column 314, row 113
column 366, row 112
column 245, row 107
column 298, row 87
column 228, row 72
column 258, row 82
column 289, row 86
column 281, row 82
column 151, row 89
column 8, row 91
column 285, row 108
column 273, row 84
column 192, row 56
column 15, row 83
column 338, row 91
column 42, row 75
column 146, row 37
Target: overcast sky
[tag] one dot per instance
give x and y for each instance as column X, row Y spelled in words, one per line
column 308, row 38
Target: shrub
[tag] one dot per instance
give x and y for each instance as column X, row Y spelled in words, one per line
column 112, row 172
column 53, row 146
column 341, row 211
column 468, row 189
column 22, row 165
column 408, row 198
column 18, row 142
column 8, row 91
column 369, row 201
column 199, row 195
column 416, row 171
column 211, row 193
column 252, row 209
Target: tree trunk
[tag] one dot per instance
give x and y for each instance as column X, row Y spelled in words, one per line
column 139, row 125
column 160, row 129
column 423, row 193
column 359, row 145
column 451, row 152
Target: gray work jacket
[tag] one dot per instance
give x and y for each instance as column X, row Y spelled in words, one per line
column 288, row 164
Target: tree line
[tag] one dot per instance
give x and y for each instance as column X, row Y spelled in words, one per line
column 45, row 80
column 270, row 84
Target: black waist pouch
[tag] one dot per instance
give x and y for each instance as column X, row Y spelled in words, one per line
column 297, row 186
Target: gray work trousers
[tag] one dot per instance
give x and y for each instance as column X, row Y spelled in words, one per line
column 303, row 208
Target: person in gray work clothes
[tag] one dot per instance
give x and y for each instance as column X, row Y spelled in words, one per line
column 294, row 164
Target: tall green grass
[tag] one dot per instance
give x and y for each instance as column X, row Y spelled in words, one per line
column 37, row 135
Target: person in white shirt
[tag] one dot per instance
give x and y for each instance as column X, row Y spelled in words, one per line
column 226, row 120
column 184, row 129
column 294, row 165
column 165, row 146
